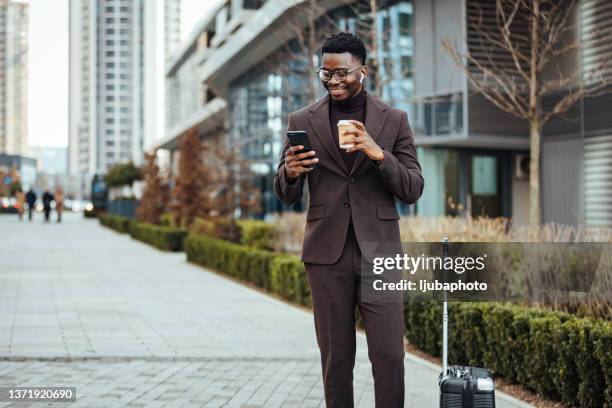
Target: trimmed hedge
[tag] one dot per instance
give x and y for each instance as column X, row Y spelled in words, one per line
column 164, row 238
column 258, row 234
column 277, row 273
column 288, row 279
column 116, row 222
column 554, row 354
column 233, row 259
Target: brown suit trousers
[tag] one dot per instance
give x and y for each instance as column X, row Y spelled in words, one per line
column 335, row 292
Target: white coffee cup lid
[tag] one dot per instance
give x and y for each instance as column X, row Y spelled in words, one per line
column 343, row 122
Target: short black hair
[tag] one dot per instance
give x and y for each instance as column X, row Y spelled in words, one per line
column 344, row 42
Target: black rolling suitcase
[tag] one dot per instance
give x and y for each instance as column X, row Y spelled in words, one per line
column 462, row 386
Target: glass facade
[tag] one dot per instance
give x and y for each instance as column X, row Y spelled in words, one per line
column 260, row 100
column 395, row 48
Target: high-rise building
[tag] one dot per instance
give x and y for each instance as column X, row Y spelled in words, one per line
column 172, row 26
column 14, row 19
column 117, row 54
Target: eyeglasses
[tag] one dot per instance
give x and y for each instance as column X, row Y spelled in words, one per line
column 339, row 74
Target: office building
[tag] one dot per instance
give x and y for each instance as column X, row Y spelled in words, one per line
column 476, row 156
column 14, row 20
column 117, row 53
column 231, row 79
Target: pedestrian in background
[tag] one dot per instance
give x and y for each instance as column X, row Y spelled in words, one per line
column 31, row 200
column 46, row 199
column 20, row 203
column 59, row 203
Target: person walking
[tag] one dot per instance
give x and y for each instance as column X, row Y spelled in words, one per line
column 59, row 203
column 352, row 188
column 31, row 200
column 20, row 197
column 47, row 198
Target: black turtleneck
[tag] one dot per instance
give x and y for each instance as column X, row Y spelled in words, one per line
column 353, row 108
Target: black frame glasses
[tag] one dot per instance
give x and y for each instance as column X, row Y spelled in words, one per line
column 339, row 74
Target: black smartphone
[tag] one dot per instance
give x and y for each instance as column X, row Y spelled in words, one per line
column 300, row 137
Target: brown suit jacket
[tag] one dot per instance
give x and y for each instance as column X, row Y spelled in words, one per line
column 366, row 191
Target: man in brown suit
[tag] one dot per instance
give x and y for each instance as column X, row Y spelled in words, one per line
column 352, row 201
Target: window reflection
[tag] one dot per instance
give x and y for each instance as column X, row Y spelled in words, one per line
column 439, row 116
column 259, row 104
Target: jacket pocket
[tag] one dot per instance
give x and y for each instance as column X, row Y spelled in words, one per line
column 387, row 213
column 316, row 212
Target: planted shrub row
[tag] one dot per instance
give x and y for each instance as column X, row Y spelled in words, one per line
column 116, row 222
column 164, row 238
column 554, row 354
column 278, row 273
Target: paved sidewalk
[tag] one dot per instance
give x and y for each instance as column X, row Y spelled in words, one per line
column 128, row 325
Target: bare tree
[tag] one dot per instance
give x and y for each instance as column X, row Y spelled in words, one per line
column 515, row 58
column 234, row 187
column 156, row 193
column 193, row 191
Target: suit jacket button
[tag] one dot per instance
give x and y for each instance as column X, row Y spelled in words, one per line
column 346, row 205
column 351, row 179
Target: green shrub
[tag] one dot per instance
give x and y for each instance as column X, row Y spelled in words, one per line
column 555, row 354
column 289, row 279
column 122, row 174
column 221, row 228
column 116, row 222
column 566, row 381
column 242, row 262
column 258, row 234
column 602, row 339
column 501, row 344
column 591, row 387
column 544, row 355
column 167, row 220
column 281, row 274
column 164, row 238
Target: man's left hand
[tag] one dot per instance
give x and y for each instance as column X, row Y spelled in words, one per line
column 362, row 141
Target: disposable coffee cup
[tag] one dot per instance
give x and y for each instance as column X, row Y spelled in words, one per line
column 343, row 127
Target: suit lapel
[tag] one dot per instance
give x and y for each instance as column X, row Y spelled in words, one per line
column 319, row 120
column 374, row 123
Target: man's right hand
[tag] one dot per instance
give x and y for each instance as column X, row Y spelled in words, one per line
column 296, row 164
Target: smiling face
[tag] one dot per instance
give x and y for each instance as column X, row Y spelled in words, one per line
column 343, row 90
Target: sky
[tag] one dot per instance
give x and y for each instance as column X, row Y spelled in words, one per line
column 48, row 66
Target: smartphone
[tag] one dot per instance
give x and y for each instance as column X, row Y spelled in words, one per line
column 300, row 137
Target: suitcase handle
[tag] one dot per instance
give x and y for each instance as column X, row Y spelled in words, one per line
column 444, row 313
